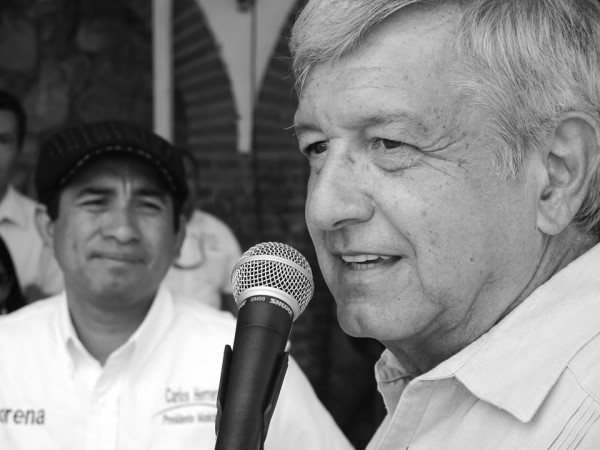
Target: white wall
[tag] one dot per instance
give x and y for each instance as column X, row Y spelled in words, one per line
column 232, row 30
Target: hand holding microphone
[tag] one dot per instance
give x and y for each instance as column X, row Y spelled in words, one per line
column 272, row 285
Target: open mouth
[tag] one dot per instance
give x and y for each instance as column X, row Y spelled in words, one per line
column 367, row 261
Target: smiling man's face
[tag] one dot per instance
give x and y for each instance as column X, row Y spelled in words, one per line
column 114, row 236
column 418, row 241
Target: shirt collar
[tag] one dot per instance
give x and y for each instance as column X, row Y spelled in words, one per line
column 11, row 209
column 515, row 365
column 140, row 344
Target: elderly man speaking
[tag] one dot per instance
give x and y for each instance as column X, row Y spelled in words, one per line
column 454, row 203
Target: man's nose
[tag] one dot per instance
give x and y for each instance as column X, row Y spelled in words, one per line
column 121, row 224
column 338, row 192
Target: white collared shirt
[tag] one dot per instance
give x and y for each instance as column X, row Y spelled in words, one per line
column 157, row 391
column 37, row 270
column 532, row 382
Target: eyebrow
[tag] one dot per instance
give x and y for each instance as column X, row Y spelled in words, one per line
column 94, row 190
column 152, row 192
column 303, row 127
column 395, row 117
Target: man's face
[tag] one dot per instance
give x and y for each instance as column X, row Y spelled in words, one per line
column 114, row 236
column 417, row 240
column 9, row 146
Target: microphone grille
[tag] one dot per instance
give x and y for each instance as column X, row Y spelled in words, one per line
column 274, row 265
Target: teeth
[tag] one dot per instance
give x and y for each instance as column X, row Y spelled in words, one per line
column 363, row 258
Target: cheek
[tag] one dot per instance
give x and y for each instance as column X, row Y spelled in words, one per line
column 65, row 251
column 161, row 241
column 314, row 232
column 449, row 232
column 68, row 241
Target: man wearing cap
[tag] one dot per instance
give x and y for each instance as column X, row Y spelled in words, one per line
column 115, row 362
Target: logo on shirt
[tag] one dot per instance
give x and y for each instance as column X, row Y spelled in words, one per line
column 19, row 416
column 191, row 406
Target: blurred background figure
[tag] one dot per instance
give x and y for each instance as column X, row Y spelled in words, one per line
column 11, row 297
column 208, row 254
column 36, row 268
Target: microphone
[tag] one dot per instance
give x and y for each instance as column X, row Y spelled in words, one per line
column 272, row 285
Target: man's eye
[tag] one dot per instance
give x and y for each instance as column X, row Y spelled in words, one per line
column 315, row 148
column 388, row 143
column 93, row 202
column 151, row 206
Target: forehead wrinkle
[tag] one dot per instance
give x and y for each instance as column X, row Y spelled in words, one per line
column 400, row 117
column 138, row 185
column 402, row 120
column 349, row 85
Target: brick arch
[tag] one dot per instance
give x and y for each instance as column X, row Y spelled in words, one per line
column 205, row 117
column 205, row 114
column 202, row 82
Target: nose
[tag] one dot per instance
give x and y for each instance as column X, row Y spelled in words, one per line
column 338, row 192
column 121, row 224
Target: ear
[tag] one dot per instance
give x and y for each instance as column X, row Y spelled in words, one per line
column 45, row 227
column 571, row 159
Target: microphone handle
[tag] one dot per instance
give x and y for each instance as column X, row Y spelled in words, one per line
column 252, row 374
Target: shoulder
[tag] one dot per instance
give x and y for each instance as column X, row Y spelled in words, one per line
column 28, row 321
column 38, row 310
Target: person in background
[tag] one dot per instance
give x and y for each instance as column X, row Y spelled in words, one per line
column 210, row 250
column 116, row 361
column 454, row 205
column 11, row 297
column 37, row 271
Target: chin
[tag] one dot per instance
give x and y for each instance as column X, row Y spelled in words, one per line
column 353, row 323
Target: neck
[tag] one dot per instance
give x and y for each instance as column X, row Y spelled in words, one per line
column 102, row 329
column 559, row 252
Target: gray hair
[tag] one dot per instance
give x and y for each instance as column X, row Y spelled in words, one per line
column 526, row 62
